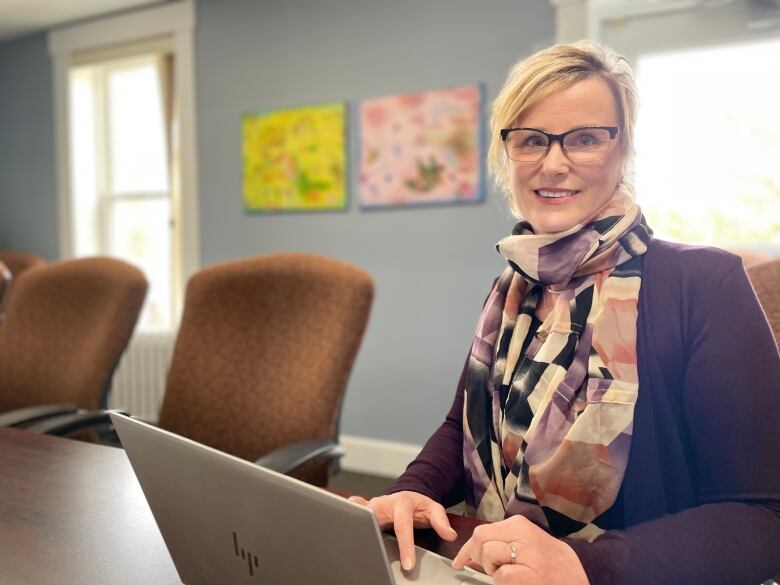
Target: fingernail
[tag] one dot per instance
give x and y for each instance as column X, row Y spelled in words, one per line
column 406, row 564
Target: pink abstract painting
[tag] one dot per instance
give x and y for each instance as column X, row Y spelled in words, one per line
column 421, row 148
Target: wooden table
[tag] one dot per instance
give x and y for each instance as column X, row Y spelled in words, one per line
column 73, row 513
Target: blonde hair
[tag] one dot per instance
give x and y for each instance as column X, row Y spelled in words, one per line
column 551, row 69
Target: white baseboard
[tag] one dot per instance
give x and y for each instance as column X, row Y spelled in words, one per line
column 375, row 456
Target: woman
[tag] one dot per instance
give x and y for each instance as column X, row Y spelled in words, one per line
column 616, row 417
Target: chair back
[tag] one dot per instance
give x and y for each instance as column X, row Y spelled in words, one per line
column 12, row 264
column 750, row 257
column 765, row 278
column 264, row 352
column 5, row 286
column 66, row 325
column 18, row 261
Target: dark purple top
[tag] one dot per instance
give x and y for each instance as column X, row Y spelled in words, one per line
column 700, row 501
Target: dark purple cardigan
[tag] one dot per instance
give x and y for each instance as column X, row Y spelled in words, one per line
column 700, row 501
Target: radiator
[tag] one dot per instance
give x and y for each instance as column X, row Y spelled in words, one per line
column 138, row 385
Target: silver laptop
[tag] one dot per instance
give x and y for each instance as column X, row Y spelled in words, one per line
column 228, row 521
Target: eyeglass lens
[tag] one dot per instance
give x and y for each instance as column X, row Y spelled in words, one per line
column 581, row 146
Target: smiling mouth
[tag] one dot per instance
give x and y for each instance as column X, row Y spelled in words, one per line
column 558, row 194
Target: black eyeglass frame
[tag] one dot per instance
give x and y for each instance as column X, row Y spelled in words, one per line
column 613, row 132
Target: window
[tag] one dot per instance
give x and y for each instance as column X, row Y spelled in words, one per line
column 123, row 159
column 708, row 144
column 126, row 148
column 708, row 136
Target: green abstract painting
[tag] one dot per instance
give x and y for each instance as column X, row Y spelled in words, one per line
column 295, row 159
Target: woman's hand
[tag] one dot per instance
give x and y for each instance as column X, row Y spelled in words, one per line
column 539, row 558
column 405, row 511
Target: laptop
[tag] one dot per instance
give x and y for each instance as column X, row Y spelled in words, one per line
column 227, row 521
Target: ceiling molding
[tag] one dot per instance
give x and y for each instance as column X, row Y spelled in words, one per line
column 19, row 18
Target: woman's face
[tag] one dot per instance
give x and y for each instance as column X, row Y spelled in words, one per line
column 554, row 194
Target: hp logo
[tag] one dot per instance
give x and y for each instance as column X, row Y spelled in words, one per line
column 251, row 560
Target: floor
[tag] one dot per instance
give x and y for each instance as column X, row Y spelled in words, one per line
column 360, row 484
column 368, row 486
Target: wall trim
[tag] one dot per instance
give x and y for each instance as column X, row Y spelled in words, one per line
column 376, row 456
column 124, row 28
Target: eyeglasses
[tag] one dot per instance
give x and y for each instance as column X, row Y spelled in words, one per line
column 580, row 145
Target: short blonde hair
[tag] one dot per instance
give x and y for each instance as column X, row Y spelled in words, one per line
column 541, row 74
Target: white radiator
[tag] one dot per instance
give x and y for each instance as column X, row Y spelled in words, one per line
column 139, row 382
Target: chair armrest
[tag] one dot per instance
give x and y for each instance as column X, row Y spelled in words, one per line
column 71, row 423
column 285, row 459
column 31, row 414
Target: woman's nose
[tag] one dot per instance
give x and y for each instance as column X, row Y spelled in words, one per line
column 555, row 163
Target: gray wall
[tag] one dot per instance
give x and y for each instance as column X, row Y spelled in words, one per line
column 28, row 200
column 433, row 267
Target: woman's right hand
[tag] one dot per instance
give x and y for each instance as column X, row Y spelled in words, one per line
column 405, row 511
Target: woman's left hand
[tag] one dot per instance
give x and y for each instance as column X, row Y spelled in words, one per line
column 540, row 559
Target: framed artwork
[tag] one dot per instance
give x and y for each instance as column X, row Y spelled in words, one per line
column 294, row 159
column 421, row 148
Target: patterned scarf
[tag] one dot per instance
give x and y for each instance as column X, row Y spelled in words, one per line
column 549, row 407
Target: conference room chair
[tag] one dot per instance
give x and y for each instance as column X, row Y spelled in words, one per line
column 749, row 256
column 765, row 278
column 262, row 360
column 66, row 326
column 12, row 264
column 5, row 286
column 18, row 261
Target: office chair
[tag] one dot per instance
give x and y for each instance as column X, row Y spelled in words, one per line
column 262, row 359
column 750, row 257
column 66, row 326
column 5, row 286
column 18, row 261
column 12, row 264
column 765, row 278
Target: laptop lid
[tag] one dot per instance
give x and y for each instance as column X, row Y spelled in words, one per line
column 228, row 521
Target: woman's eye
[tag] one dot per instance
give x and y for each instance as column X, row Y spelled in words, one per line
column 534, row 142
column 588, row 139
column 584, row 140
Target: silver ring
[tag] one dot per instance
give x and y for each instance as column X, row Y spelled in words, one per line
column 512, row 553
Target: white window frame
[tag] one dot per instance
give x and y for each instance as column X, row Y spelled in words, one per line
column 67, row 47
column 579, row 19
column 723, row 22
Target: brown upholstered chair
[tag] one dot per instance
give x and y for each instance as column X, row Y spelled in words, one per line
column 15, row 262
column 264, row 352
column 262, row 359
column 750, row 257
column 765, row 278
column 5, row 286
column 66, row 326
column 18, row 261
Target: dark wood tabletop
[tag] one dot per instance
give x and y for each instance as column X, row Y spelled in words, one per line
column 73, row 513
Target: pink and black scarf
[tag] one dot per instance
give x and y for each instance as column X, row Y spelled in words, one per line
column 549, row 406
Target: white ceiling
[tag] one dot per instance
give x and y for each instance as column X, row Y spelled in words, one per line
column 22, row 17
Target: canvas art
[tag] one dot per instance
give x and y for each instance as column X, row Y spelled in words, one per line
column 421, row 148
column 294, row 159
